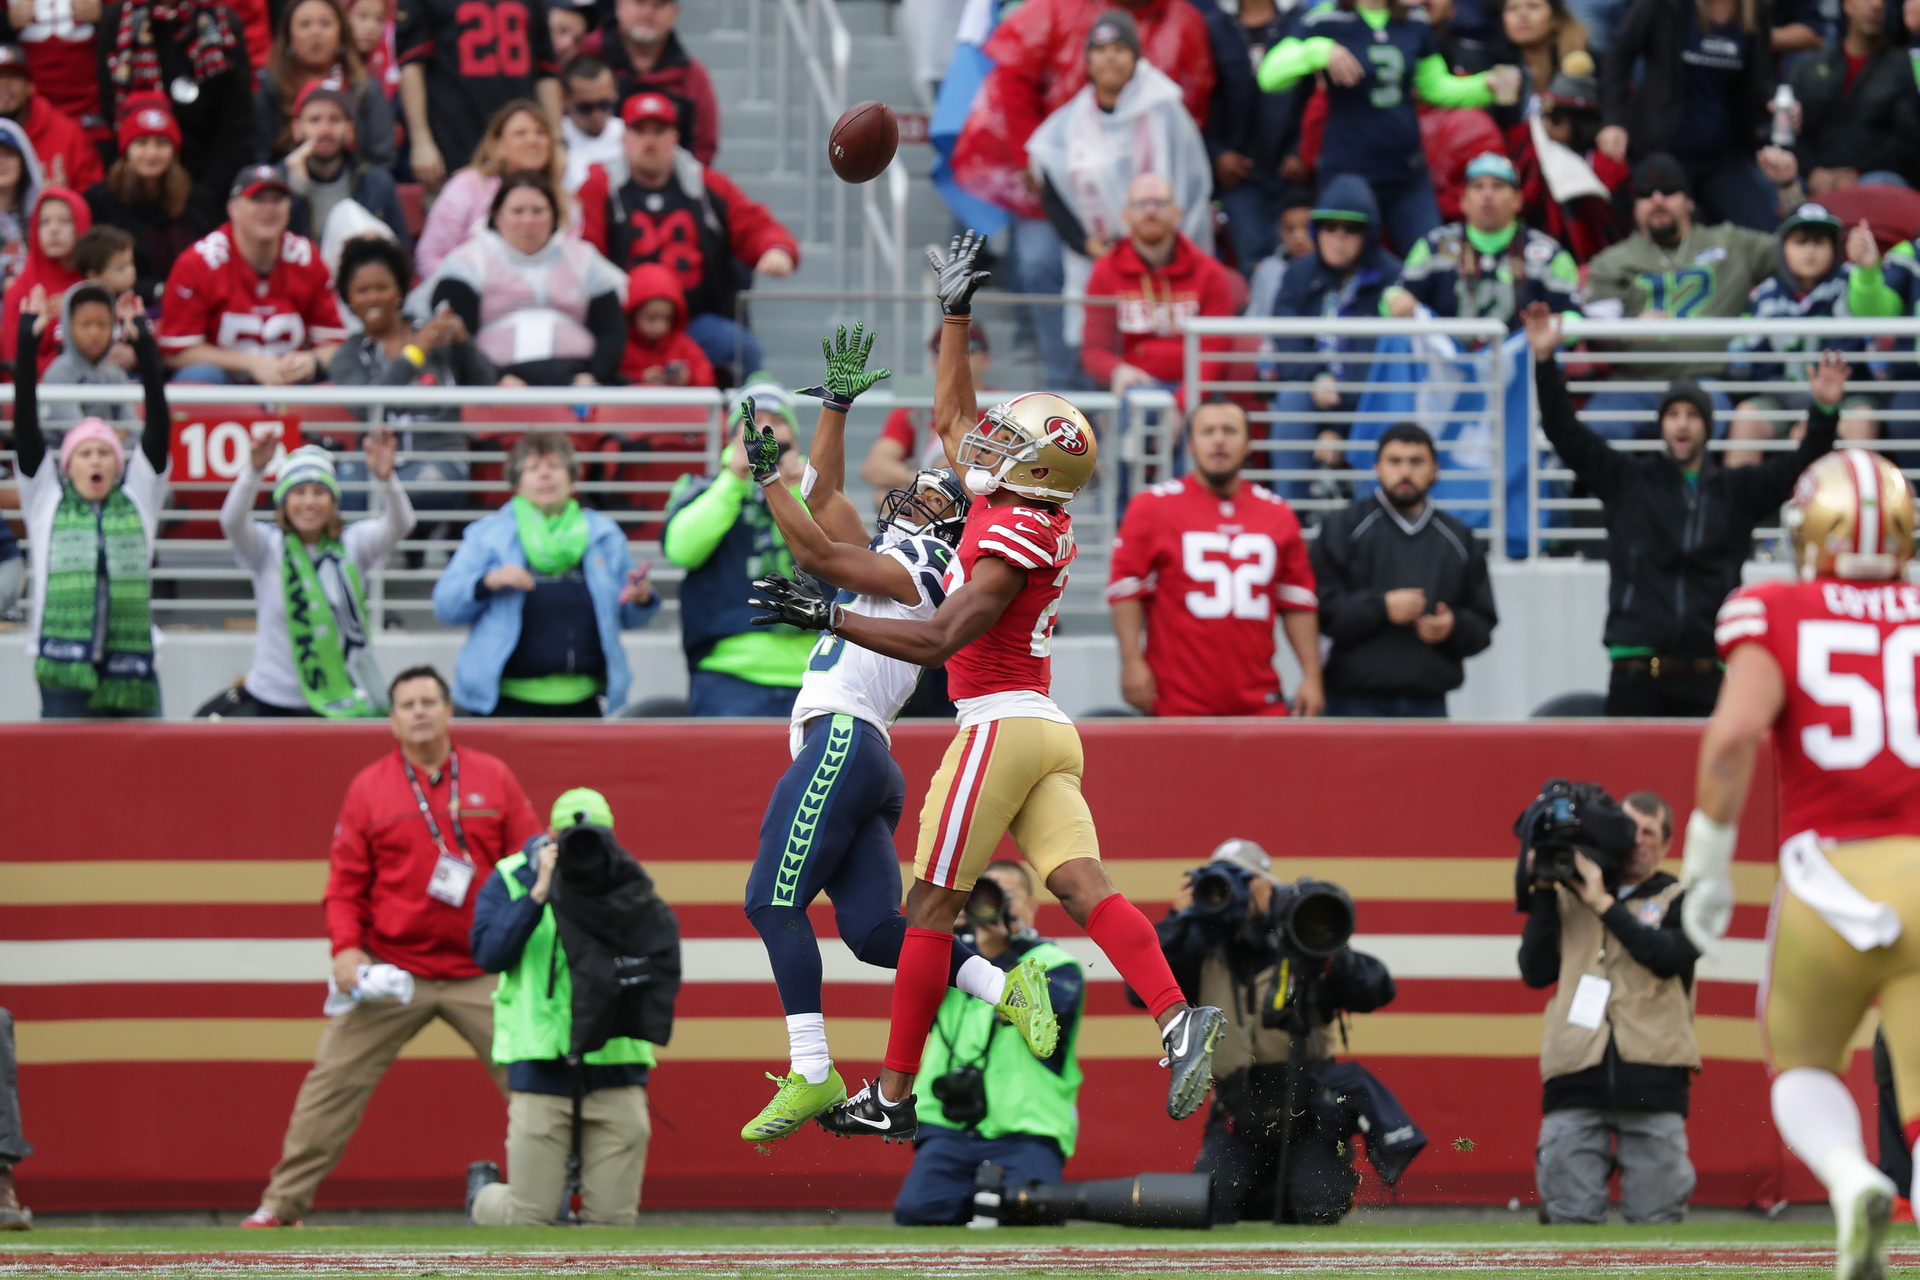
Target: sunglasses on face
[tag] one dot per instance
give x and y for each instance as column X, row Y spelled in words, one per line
column 1647, row 193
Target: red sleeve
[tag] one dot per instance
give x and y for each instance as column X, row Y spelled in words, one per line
column 10, row 323
column 520, row 823
column 257, row 27
column 83, row 159
column 540, row 40
column 187, row 305
column 413, row 31
column 1742, row 620
column 1100, row 337
column 699, row 368
column 1293, row 584
column 593, row 210
column 1131, row 571
column 1313, row 128
column 899, row 428
column 350, row 875
column 706, row 113
column 1196, row 71
column 751, row 227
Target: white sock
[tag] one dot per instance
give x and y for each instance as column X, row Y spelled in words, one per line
column 1817, row 1117
column 807, row 1042
column 979, row 979
column 881, row 1094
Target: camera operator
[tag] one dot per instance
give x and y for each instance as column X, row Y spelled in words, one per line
column 1604, row 923
column 1233, row 936
column 996, row 1100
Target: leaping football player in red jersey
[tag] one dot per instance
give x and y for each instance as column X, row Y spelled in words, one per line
column 1015, row 765
column 1826, row 666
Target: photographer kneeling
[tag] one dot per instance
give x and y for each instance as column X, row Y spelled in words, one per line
column 589, row 963
column 1604, row 923
column 996, row 1100
column 1234, row 936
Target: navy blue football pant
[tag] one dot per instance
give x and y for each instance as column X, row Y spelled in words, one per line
column 938, row 1191
column 829, row 829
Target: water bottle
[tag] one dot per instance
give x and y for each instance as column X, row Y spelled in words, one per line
column 1783, row 117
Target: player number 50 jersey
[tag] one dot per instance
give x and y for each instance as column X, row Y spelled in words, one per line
column 843, row 678
column 1848, row 737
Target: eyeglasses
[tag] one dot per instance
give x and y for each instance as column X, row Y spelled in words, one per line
column 1647, row 193
column 600, row 108
column 1149, row 203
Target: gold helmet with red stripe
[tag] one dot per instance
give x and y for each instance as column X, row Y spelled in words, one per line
column 1037, row 445
column 1851, row 516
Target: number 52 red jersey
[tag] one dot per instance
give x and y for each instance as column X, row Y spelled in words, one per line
column 1016, row 653
column 1848, row 737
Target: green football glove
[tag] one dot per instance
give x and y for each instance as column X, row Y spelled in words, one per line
column 763, row 451
column 847, row 377
column 791, row 603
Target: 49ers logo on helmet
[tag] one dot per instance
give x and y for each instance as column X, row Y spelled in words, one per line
column 1067, row 434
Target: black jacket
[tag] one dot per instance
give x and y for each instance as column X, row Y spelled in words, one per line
column 1613, row 1084
column 1367, row 550
column 1877, row 126
column 1652, row 34
column 1674, row 548
column 216, row 128
column 157, row 238
column 1355, row 981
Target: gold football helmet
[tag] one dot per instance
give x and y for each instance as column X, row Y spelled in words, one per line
column 1851, row 516
column 1037, row 445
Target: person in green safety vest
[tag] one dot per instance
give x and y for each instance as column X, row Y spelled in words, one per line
column 514, row 935
column 997, row 1101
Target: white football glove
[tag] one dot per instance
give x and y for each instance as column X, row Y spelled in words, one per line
column 1706, row 875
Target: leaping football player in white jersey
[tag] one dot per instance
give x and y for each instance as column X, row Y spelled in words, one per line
column 829, row 827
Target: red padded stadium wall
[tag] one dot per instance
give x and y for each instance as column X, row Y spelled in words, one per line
column 143, row 1093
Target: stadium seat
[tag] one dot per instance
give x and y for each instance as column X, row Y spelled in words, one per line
column 1892, row 212
column 553, row 417
column 685, row 433
column 1572, row 706
column 413, row 204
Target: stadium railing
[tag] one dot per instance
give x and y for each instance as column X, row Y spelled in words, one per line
column 633, row 444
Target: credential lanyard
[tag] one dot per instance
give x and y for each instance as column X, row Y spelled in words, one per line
column 453, row 805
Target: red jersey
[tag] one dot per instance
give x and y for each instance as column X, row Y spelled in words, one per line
column 1848, row 738
column 215, row 296
column 1016, row 653
column 383, row 856
column 1213, row 573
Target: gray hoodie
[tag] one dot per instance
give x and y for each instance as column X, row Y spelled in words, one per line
column 70, row 368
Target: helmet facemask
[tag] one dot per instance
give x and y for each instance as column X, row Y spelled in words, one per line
column 932, row 505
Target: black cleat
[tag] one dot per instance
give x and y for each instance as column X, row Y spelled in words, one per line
column 479, row 1174
column 864, row 1116
column 1189, row 1040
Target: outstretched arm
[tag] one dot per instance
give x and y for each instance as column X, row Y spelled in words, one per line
column 961, row 619
column 855, row 568
column 954, row 409
column 846, row 379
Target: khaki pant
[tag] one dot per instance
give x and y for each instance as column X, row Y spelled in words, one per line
column 355, row 1051
column 614, row 1130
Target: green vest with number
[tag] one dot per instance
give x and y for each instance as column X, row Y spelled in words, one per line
column 533, row 1005
column 1023, row 1095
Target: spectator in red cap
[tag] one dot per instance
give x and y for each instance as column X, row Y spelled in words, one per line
column 148, row 194
column 196, row 52
column 519, row 139
column 251, row 302
column 325, row 168
column 693, row 220
column 646, row 56
column 312, row 44
column 66, row 156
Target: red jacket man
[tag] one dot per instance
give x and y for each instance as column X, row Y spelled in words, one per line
column 1160, row 278
column 418, row 834
column 1040, row 61
column 66, row 156
column 644, row 52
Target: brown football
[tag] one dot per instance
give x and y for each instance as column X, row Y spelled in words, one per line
column 863, row 141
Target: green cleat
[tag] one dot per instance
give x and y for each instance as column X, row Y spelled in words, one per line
column 796, row 1103
column 1025, row 1004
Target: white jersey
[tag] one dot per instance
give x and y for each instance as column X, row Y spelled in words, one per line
column 845, row 679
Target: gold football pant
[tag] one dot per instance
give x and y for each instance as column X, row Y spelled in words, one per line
column 1019, row 776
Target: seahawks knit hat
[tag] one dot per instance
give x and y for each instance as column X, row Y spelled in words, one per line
column 582, row 804
column 768, row 397
column 309, row 464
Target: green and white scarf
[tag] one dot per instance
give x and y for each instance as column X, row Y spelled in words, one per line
column 334, row 684
column 123, row 679
column 554, row 544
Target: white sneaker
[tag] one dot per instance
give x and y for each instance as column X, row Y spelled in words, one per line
column 1862, row 1198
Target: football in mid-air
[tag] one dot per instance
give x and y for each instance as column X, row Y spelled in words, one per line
column 863, row 141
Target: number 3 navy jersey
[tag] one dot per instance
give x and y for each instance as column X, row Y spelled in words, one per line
column 1213, row 573
column 843, row 678
column 479, row 55
column 1848, row 737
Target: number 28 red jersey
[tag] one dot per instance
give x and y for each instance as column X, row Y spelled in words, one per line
column 1848, row 738
column 1016, row 652
column 1213, row 573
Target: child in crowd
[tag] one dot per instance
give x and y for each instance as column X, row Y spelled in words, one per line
column 659, row 352
column 88, row 331
column 370, row 29
column 104, row 255
column 1809, row 281
column 568, row 24
column 60, row 217
column 1296, row 241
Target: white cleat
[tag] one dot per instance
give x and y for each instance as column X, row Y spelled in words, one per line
column 1862, row 1199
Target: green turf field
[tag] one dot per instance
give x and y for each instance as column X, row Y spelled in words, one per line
column 1798, row 1250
